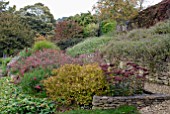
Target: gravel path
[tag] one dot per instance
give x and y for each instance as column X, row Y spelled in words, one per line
column 162, row 108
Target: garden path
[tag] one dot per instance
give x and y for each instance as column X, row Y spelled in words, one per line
column 162, row 108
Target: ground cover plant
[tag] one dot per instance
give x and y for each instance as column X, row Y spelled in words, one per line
column 13, row 100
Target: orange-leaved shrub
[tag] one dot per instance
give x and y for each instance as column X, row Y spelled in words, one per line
column 76, row 84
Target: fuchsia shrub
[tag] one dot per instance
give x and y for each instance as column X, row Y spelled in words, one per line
column 128, row 80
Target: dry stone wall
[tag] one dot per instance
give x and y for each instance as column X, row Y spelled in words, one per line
column 140, row 101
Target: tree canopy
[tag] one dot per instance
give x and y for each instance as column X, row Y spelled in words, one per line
column 4, row 7
column 39, row 18
column 14, row 34
column 118, row 10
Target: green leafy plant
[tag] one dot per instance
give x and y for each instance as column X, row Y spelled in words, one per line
column 12, row 100
column 26, row 52
column 75, row 84
column 40, row 45
column 31, row 81
column 91, row 30
column 3, row 64
column 108, row 26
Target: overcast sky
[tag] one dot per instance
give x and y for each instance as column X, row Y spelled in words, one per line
column 65, row 8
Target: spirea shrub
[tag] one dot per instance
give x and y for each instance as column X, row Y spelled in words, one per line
column 76, row 84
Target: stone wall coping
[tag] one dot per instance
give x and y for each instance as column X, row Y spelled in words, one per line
column 143, row 96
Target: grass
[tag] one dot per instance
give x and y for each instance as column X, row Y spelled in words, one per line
column 120, row 110
column 90, row 45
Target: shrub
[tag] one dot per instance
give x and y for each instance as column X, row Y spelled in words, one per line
column 91, row 30
column 15, row 35
column 67, row 29
column 26, row 52
column 108, row 26
column 126, row 79
column 88, row 46
column 12, row 100
column 76, row 84
column 3, row 65
column 162, row 27
column 49, row 59
column 138, row 34
column 46, row 58
column 31, row 81
column 64, row 44
column 152, row 53
column 44, row 45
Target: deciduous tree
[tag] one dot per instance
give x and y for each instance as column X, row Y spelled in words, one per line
column 119, row 10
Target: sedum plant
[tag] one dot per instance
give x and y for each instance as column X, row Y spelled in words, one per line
column 125, row 79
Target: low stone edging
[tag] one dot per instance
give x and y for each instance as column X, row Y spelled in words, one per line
column 139, row 101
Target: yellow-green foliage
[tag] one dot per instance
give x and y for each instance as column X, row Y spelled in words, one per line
column 44, row 45
column 76, row 84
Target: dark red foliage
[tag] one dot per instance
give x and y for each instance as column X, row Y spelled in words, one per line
column 130, row 78
column 67, row 29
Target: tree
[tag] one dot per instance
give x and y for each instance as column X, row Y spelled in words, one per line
column 66, row 30
column 39, row 18
column 83, row 19
column 14, row 34
column 4, row 7
column 119, row 10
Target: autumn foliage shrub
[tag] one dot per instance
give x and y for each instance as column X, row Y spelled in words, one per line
column 67, row 29
column 125, row 79
column 76, row 84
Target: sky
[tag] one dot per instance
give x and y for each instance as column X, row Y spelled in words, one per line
column 65, row 8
